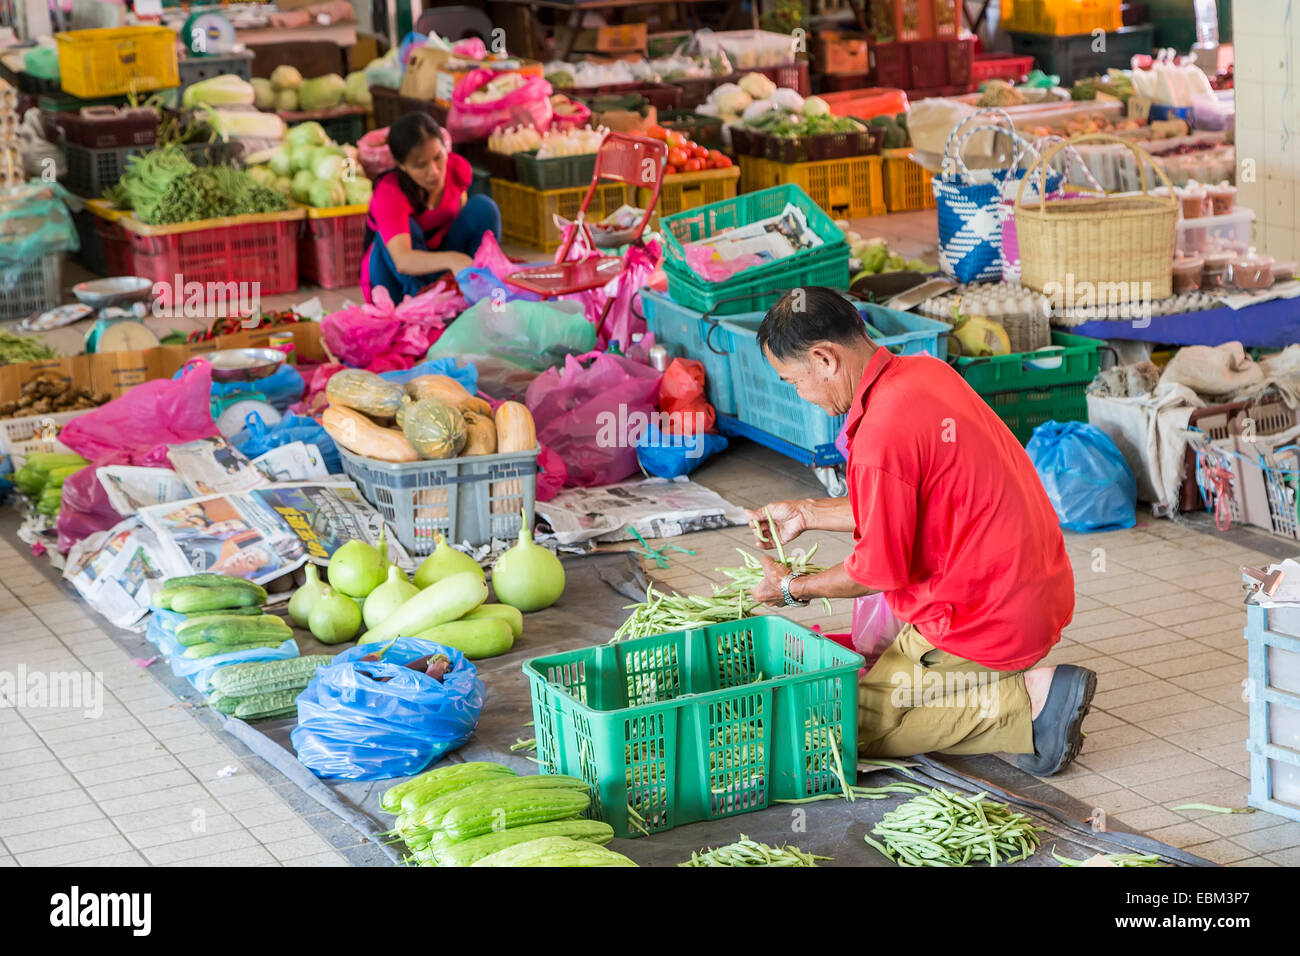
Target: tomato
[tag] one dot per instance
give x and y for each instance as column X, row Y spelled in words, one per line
column 675, row 140
column 693, row 165
column 656, row 132
column 722, row 162
column 677, row 157
column 671, row 170
column 714, row 156
column 699, row 152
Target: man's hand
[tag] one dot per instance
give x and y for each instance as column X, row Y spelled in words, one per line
column 790, row 518
column 768, row 591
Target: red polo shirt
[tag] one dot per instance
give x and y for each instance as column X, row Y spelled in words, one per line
column 952, row 521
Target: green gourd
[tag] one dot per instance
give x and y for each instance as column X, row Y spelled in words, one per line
column 444, row 562
column 335, row 618
column 300, row 604
column 388, row 597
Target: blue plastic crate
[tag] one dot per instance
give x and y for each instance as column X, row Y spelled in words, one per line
column 765, row 402
column 686, row 332
column 1273, row 691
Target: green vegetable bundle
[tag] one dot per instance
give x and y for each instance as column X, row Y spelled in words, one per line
column 23, row 348
column 947, row 829
column 41, row 478
column 146, row 180
column 749, row 852
column 163, row 187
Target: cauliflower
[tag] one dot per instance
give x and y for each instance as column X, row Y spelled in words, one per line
column 757, row 85
column 816, row 106
column 730, row 98
column 756, row 109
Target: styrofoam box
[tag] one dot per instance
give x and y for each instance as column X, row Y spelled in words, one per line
column 1284, row 672
column 1197, row 235
column 1286, row 782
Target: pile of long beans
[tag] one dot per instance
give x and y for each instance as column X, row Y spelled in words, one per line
column 749, row 852
column 940, row 828
column 1119, row 859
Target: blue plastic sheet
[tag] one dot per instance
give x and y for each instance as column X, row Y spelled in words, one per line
column 352, row 725
column 257, row 439
column 1088, row 481
column 478, row 282
column 466, row 374
column 670, row 456
column 161, row 633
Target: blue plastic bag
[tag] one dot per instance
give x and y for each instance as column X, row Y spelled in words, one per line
column 1088, row 481
column 282, row 388
column 161, row 633
column 671, row 456
column 352, row 725
column 478, row 282
column 257, row 439
column 466, row 374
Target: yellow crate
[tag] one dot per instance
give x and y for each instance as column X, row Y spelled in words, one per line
column 690, row 190
column 1061, row 17
column 907, row 182
column 844, row 188
column 94, row 63
column 528, row 215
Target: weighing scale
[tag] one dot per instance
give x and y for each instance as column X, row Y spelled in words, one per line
column 231, row 409
column 117, row 329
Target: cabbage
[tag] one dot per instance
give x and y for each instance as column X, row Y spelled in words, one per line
column 307, row 134
column 321, row 93
column 357, row 191
column 326, row 166
column 302, row 182
column 286, row 100
column 757, row 85
column 730, row 98
column 280, row 161
column 355, row 89
column 325, row 193
column 787, row 100
column 262, row 175
column 756, row 109
column 285, row 77
column 284, row 186
column 263, row 94
column 816, row 106
column 300, row 157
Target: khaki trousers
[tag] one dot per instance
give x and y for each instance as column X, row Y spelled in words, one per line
column 918, row 699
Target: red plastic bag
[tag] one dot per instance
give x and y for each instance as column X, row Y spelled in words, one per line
column 592, row 416
column 551, row 474
column 681, row 396
column 527, row 105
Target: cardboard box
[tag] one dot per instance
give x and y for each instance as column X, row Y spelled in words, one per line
column 432, row 74
column 624, row 38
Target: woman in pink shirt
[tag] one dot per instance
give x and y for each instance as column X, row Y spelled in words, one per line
column 422, row 222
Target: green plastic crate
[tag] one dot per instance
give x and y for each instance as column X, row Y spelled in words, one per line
column 727, row 298
column 699, row 724
column 1025, row 410
column 1080, row 362
column 558, row 172
column 691, row 225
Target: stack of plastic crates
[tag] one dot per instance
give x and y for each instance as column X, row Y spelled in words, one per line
column 528, row 215
column 906, row 182
column 1273, row 667
column 35, row 289
column 117, row 60
column 699, row 724
column 850, row 188
column 332, row 245
column 756, row 288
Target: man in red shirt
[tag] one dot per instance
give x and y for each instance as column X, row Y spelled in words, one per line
column 952, row 524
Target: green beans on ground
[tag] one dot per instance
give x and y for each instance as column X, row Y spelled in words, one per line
column 1119, row 859
column 748, row 852
column 939, row 828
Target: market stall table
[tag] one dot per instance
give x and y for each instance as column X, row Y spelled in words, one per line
column 1273, row 325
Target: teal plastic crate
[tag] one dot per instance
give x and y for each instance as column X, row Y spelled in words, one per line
column 817, row 266
column 1273, row 692
column 766, row 402
column 685, row 333
column 699, row 724
column 1080, row 362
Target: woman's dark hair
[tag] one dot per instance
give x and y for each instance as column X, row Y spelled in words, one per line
column 407, row 132
column 803, row 317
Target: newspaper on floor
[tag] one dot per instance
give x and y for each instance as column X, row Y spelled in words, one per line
column 655, row 507
column 118, row 571
column 130, row 488
column 213, row 466
column 296, row 461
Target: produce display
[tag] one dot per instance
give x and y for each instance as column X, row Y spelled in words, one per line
column 42, row 476
column 872, row 257
column 940, row 828
column 287, row 92
column 308, row 167
column 484, row 814
column 514, row 139
column 528, row 576
column 15, row 348
column 747, row 852
column 162, row 187
column 685, row 155
column 222, row 614
column 45, row 394
column 257, row 690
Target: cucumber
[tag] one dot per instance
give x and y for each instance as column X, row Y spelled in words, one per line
column 239, row 630
column 275, row 704
column 207, row 649
column 246, row 616
column 223, row 611
column 190, row 599
column 476, row 639
column 205, row 580
column 254, row 677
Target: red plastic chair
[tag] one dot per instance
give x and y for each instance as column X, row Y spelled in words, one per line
column 623, row 158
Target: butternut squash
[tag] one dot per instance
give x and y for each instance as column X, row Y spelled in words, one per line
column 516, row 430
column 364, row 391
column 481, row 434
column 434, row 428
column 448, row 391
column 361, row 436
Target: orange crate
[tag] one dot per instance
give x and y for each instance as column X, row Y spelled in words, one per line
column 905, row 20
column 528, row 215
column 689, row 190
column 96, row 63
column 839, row 53
column 844, row 188
column 866, row 103
column 907, row 183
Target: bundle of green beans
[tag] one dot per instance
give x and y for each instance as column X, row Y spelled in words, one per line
column 1119, row 859
column 940, row 828
column 749, row 852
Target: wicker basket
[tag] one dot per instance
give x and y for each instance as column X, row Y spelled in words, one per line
column 1121, row 246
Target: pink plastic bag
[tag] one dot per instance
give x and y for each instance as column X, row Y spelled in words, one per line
column 622, row 321
column 551, row 474
column 382, row 337
column 591, row 417
column 528, row 105
column 373, row 151
column 874, row 626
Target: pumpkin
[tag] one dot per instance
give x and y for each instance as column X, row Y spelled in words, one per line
column 515, row 428
column 364, row 391
column 481, row 434
column 434, row 428
column 361, row 436
column 448, row 391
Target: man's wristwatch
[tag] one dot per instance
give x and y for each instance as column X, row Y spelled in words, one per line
column 790, row 600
